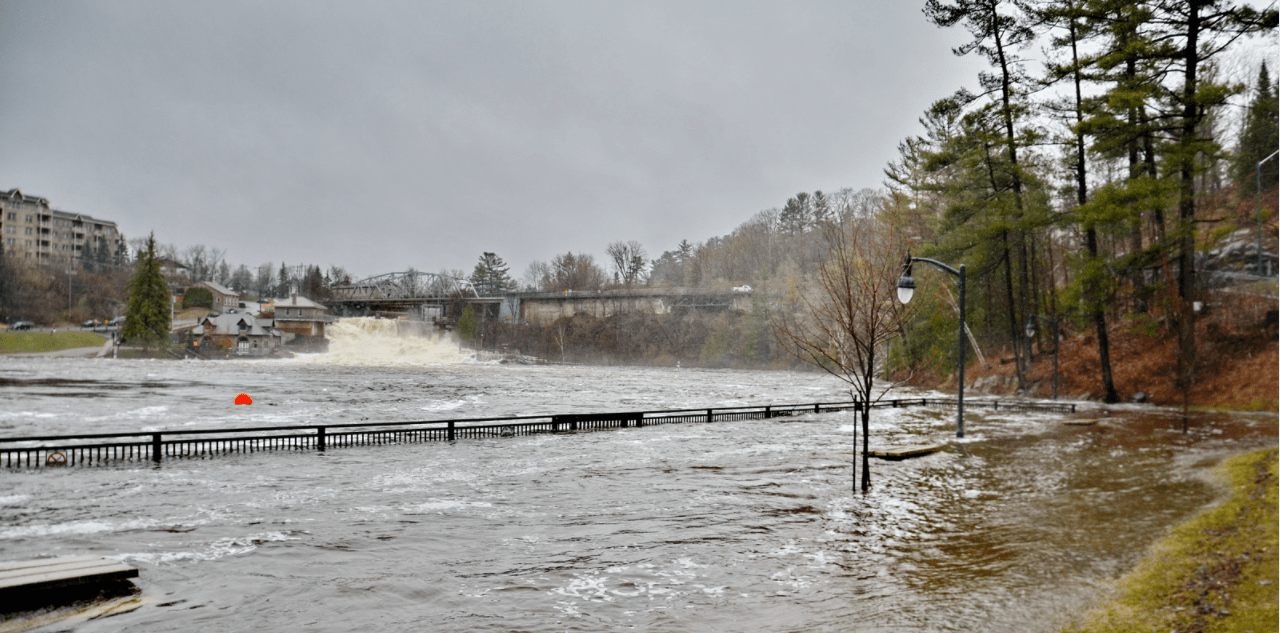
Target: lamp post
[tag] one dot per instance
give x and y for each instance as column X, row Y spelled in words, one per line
column 1031, row 332
column 907, row 288
column 1258, row 174
column 70, row 273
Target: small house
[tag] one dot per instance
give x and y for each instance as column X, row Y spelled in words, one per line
column 301, row 316
column 238, row 334
column 223, row 297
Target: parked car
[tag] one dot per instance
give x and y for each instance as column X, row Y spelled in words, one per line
column 118, row 321
column 22, row 325
column 232, row 311
column 89, row 323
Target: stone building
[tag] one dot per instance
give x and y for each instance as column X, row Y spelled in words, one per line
column 223, row 297
column 33, row 231
column 237, row 334
column 300, row 316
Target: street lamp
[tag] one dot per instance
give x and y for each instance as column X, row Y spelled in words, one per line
column 907, row 288
column 1031, row 332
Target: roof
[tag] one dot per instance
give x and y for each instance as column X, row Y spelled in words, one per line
column 229, row 325
column 218, row 288
column 296, row 301
column 81, row 217
column 16, row 194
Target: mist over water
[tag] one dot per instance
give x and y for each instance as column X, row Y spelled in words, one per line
column 746, row 525
column 373, row 342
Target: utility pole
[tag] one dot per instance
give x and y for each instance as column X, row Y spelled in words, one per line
column 70, row 273
column 1258, row 174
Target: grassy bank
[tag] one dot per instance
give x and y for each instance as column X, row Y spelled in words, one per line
column 1217, row 572
column 31, row 342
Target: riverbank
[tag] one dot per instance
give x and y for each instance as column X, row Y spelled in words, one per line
column 1238, row 368
column 1217, row 572
column 41, row 342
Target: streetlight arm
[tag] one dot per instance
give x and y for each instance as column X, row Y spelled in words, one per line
column 935, row 263
column 906, row 286
column 1043, row 318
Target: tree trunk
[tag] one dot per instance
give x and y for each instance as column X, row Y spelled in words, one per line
column 1091, row 235
column 1014, row 328
column 1187, row 202
column 866, row 430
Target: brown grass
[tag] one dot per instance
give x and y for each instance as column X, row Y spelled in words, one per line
column 1238, row 369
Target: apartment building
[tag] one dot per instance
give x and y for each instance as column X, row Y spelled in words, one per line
column 32, row 230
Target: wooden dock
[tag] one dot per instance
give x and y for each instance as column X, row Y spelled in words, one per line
column 905, row 452
column 26, row 576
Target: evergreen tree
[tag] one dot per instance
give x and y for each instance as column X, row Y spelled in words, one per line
column 468, row 325
column 797, row 215
column 147, row 320
column 491, row 275
column 999, row 29
column 282, row 286
column 313, row 285
column 1093, row 281
column 1259, row 138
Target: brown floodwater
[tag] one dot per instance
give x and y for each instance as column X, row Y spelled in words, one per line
column 747, row 525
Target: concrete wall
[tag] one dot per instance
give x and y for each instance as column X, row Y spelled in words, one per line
column 543, row 309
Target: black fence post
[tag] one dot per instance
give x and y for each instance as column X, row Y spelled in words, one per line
column 817, row 408
column 768, row 412
column 320, row 438
column 155, row 447
column 709, row 416
column 450, row 433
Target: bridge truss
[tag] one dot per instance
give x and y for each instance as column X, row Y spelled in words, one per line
column 401, row 291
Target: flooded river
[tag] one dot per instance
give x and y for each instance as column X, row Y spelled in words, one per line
column 747, row 526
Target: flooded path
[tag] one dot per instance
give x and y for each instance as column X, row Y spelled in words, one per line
column 729, row 526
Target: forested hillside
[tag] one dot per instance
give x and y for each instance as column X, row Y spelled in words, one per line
column 1101, row 173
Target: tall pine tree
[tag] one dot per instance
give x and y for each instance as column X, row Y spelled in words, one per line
column 1260, row 137
column 491, row 276
column 147, row 321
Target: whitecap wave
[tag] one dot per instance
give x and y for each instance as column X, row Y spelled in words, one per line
column 372, row 342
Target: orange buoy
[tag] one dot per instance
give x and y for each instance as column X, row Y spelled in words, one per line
column 244, row 399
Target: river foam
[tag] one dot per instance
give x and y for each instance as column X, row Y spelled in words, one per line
column 373, row 342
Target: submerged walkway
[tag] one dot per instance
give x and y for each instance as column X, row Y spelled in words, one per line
column 105, row 448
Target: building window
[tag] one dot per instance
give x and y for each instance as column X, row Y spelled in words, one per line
column 11, row 216
column 28, row 230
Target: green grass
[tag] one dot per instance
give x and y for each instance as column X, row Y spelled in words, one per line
column 29, row 342
column 1209, row 573
column 191, row 313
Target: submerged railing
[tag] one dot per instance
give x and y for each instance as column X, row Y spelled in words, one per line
column 57, row 450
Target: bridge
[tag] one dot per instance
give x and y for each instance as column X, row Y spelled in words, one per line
column 440, row 299
column 423, row 295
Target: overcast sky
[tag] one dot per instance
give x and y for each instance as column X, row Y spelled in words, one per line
column 379, row 136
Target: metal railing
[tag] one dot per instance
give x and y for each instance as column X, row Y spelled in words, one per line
column 101, row 448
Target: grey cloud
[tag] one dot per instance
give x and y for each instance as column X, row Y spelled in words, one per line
column 384, row 135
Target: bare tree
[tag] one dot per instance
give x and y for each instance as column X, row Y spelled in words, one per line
column 629, row 262
column 842, row 324
column 574, row 272
column 537, row 276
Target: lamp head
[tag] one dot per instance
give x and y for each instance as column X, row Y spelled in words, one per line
column 1031, row 328
column 906, row 284
column 906, row 288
